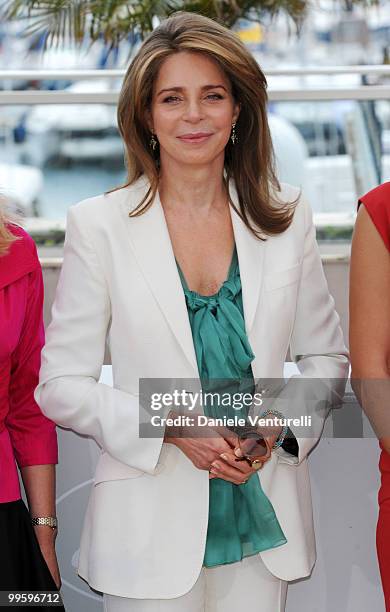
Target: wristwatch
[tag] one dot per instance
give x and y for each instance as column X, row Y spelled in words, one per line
column 50, row 521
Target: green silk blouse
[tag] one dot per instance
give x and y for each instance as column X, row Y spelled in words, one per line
column 242, row 521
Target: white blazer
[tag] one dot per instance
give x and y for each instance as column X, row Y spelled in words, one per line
column 145, row 527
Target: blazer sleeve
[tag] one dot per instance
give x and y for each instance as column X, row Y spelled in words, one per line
column 72, row 359
column 318, row 349
column 33, row 436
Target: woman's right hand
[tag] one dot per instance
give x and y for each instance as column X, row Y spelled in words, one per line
column 210, row 447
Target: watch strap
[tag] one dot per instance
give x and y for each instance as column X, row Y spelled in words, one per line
column 50, row 521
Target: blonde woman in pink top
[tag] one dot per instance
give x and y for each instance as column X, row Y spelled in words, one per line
column 27, row 438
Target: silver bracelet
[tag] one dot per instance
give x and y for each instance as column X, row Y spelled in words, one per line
column 284, row 431
column 50, row 521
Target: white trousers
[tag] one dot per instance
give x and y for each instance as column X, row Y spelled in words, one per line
column 246, row 585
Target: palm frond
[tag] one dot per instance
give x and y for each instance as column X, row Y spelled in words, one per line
column 115, row 20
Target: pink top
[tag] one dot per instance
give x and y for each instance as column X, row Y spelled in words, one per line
column 26, row 435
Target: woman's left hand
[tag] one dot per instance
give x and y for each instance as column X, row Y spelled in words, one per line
column 229, row 467
column 47, row 545
column 50, row 557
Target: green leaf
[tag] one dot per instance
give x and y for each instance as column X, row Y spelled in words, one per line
column 78, row 21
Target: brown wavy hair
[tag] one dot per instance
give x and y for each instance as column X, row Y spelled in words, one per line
column 250, row 161
column 6, row 220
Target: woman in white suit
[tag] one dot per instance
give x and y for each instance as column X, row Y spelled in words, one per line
column 201, row 267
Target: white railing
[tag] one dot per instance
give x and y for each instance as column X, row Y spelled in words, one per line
column 276, row 95
column 77, row 75
column 28, row 97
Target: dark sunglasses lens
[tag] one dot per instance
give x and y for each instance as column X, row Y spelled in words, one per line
column 252, row 444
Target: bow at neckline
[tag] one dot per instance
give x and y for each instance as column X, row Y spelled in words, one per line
column 220, row 328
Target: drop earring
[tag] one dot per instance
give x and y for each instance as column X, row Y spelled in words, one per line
column 153, row 142
column 233, row 134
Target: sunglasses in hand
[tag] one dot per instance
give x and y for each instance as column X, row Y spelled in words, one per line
column 254, row 447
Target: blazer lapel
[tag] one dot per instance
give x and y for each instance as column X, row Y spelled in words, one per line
column 152, row 247
column 251, row 255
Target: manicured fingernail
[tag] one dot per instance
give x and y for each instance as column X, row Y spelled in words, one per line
column 224, row 456
column 238, row 452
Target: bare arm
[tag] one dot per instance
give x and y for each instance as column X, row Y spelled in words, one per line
column 39, row 484
column 369, row 330
column 33, row 436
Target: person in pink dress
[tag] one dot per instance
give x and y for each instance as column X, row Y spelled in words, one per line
column 27, row 438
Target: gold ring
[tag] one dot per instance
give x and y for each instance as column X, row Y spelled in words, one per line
column 256, row 464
